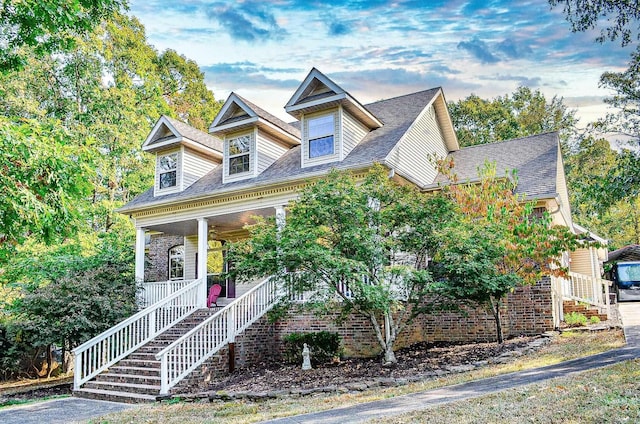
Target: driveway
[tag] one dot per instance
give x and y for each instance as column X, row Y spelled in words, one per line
column 59, row 411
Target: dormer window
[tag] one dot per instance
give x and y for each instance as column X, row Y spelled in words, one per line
column 321, row 136
column 239, row 154
column 168, row 170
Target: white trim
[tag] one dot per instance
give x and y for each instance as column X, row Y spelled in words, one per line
column 139, row 254
column 313, row 74
column 232, row 99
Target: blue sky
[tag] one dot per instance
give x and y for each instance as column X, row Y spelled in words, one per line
column 383, row 48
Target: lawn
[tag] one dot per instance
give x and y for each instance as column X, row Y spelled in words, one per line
column 567, row 346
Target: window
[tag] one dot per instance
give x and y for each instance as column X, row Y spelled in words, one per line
column 321, row 136
column 239, row 151
column 176, row 263
column 168, row 170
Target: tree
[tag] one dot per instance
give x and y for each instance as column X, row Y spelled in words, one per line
column 47, row 26
column 358, row 246
column 41, row 177
column 525, row 112
column 498, row 243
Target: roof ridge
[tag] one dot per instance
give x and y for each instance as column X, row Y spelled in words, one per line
column 509, row 140
column 404, row 95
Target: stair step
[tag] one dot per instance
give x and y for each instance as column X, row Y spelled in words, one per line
column 128, row 378
column 142, row 363
column 144, row 389
column 113, row 396
column 124, row 369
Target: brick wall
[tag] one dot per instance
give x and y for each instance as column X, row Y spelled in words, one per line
column 157, row 261
column 527, row 312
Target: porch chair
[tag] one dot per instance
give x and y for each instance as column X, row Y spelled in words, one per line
column 214, row 293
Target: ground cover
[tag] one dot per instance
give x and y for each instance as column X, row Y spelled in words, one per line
column 566, row 346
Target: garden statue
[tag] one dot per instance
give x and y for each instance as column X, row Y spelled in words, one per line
column 306, row 361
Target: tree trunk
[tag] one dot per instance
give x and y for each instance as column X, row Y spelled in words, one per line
column 389, row 355
column 495, row 310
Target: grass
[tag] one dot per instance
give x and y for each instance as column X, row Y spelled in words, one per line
column 606, row 395
column 15, row 402
column 568, row 346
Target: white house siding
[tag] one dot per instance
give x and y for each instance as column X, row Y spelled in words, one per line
column 179, row 167
column 337, row 144
column 226, row 178
column 353, row 131
column 196, row 166
column 190, row 250
column 561, row 186
column 581, row 262
column 411, row 156
column 269, row 150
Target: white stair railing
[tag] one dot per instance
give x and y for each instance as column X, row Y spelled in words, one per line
column 104, row 350
column 155, row 291
column 588, row 289
column 184, row 355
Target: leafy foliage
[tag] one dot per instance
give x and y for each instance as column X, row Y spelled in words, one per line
column 323, row 346
column 575, row 319
column 497, row 244
column 48, row 26
column 525, row 112
column 342, row 242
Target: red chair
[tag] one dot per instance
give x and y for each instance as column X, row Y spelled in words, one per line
column 214, row 293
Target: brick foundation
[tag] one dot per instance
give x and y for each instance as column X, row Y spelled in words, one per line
column 527, row 311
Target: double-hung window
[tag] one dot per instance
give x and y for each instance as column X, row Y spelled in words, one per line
column 176, row 263
column 239, row 154
column 321, row 134
column 168, row 170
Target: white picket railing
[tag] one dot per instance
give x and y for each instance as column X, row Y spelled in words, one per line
column 588, row 289
column 104, row 350
column 191, row 350
column 152, row 292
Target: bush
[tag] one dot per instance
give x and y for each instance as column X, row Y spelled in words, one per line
column 594, row 319
column 323, row 346
column 575, row 319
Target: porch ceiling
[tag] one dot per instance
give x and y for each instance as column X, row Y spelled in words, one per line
column 218, row 223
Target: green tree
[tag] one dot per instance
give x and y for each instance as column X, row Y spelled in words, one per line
column 525, row 112
column 497, row 245
column 47, row 26
column 358, row 246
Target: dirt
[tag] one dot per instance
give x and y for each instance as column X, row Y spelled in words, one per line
column 418, row 359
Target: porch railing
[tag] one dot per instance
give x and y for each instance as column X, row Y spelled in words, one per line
column 104, row 350
column 588, row 289
column 152, row 292
column 191, row 350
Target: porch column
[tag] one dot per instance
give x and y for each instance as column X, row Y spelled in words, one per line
column 140, row 242
column 203, row 245
column 281, row 217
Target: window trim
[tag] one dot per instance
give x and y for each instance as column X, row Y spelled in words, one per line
column 171, row 257
column 245, row 156
column 173, row 170
column 321, row 136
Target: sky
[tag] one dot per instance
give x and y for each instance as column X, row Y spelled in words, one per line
column 379, row 49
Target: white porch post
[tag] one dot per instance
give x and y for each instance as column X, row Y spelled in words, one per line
column 203, row 245
column 281, row 217
column 140, row 241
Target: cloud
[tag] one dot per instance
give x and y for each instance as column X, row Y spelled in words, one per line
column 512, row 50
column 520, row 79
column 249, row 75
column 337, row 28
column 249, row 21
column 479, row 49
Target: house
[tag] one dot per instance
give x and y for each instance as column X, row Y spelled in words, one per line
column 207, row 187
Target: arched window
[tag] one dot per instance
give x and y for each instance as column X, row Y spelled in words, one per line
column 176, row 263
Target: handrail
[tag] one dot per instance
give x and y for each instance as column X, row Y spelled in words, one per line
column 191, row 350
column 155, row 291
column 586, row 288
column 104, row 350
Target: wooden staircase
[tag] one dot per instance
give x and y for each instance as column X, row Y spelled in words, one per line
column 589, row 311
column 136, row 379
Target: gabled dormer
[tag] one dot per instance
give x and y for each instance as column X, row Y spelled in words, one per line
column 183, row 154
column 252, row 138
column 332, row 122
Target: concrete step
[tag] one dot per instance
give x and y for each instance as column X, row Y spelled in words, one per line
column 143, row 389
column 141, row 371
column 114, row 396
column 141, row 363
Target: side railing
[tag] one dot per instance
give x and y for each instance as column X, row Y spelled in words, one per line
column 588, row 289
column 152, row 292
column 104, row 350
column 184, row 355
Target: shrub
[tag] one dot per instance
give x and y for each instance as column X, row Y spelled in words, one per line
column 575, row 319
column 323, row 346
column 594, row 319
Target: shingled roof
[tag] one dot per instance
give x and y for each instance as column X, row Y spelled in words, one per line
column 191, row 133
column 397, row 114
column 535, row 158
